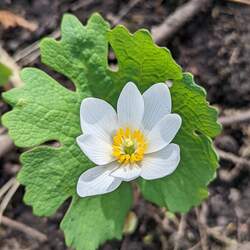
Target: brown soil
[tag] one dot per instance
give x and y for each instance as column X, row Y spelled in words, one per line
column 215, row 47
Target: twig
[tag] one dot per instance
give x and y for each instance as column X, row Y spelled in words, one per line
column 8, row 197
column 9, row 62
column 180, row 232
column 81, row 4
column 24, row 228
column 31, row 52
column 176, row 20
column 238, row 117
column 6, row 144
column 26, row 51
column 241, row 1
column 7, row 186
column 216, row 234
column 124, row 11
column 239, row 162
column 228, row 176
column 197, row 246
column 232, row 157
column 163, row 239
column 202, row 230
column 163, row 223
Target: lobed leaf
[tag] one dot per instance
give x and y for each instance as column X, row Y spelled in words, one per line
column 45, row 111
column 187, row 186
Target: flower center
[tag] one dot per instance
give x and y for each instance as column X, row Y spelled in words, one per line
column 129, row 146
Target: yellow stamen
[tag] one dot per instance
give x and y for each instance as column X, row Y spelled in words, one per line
column 129, row 146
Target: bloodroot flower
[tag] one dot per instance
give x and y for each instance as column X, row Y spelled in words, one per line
column 134, row 142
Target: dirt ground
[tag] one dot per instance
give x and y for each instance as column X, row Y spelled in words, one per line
column 215, row 47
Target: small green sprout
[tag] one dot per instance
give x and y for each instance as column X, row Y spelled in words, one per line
column 5, row 73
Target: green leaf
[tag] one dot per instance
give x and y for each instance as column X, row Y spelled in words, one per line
column 140, row 61
column 5, row 73
column 103, row 224
column 45, row 111
column 186, row 187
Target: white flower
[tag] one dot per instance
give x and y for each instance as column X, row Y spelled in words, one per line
column 135, row 141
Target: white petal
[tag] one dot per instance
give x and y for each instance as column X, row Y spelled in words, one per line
column 130, row 106
column 127, row 172
column 98, row 118
column 157, row 104
column 161, row 163
column 97, row 150
column 97, row 180
column 163, row 132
